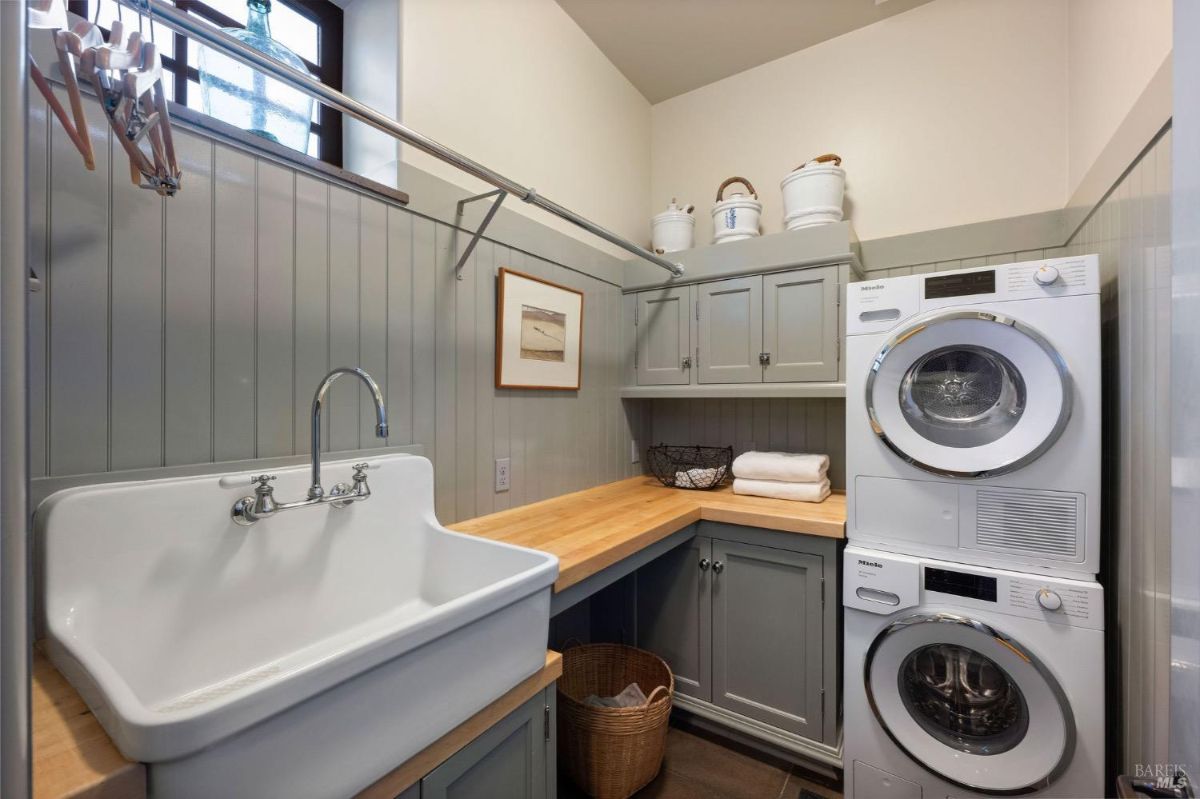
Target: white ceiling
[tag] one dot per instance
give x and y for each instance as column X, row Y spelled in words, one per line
column 668, row 47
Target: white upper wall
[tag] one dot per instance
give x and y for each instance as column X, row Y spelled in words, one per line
column 951, row 113
column 518, row 86
column 1114, row 47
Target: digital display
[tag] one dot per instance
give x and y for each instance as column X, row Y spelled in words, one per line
column 972, row 586
column 960, row 285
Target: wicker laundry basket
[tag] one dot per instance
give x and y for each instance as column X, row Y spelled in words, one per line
column 612, row 752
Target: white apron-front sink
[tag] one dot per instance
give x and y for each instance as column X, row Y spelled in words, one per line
column 302, row 657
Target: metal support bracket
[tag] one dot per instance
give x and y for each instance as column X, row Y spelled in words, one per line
column 499, row 194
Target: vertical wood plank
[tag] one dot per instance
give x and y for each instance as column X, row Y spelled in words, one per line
column 424, row 248
column 501, row 415
column 234, row 281
column 38, row 154
column 78, row 297
column 466, row 450
column 187, row 379
column 487, row 449
column 373, row 313
column 312, row 305
column 445, row 377
column 344, row 401
column 275, row 287
column 400, row 323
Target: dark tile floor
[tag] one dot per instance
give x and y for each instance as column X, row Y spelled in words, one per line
column 697, row 766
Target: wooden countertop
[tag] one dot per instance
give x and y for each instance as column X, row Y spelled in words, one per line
column 591, row 530
column 72, row 755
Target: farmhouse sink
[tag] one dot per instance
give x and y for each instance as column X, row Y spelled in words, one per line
column 304, row 656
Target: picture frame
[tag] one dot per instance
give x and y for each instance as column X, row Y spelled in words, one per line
column 539, row 333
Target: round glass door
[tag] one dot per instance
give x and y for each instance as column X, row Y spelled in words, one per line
column 968, row 394
column 969, row 704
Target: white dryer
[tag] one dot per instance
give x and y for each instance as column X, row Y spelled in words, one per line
column 973, row 415
column 965, row 681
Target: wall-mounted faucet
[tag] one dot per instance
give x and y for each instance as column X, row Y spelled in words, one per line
column 262, row 504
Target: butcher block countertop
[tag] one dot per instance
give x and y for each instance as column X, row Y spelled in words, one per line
column 591, row 530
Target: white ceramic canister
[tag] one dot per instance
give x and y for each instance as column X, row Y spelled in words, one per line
column 736, row 218
column 673, row 230
column 813, row 192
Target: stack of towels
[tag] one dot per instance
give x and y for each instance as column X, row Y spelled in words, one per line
column 782, row 475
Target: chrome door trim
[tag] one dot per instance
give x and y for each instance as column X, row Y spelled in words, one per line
column 1064, row 414
column 1008, row 643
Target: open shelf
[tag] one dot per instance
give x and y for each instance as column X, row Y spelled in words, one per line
column 735, row 391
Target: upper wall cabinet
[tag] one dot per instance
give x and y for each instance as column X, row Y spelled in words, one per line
column 782, row 327
column 800, row 325
column 664, row 336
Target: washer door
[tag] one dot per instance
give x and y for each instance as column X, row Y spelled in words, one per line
column 968, row 394
column 969, row 704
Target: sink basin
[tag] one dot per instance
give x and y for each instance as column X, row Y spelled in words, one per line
column 304, row 656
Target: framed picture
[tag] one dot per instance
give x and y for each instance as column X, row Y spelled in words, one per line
column 539, row 333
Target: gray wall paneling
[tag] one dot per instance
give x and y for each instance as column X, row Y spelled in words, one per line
column 193, row 330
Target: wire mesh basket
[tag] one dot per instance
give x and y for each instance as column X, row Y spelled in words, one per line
column 701, row 468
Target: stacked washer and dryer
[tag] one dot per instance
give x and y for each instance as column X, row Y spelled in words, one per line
column 974, row 627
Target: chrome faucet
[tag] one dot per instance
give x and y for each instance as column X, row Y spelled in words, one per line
column 261, row 505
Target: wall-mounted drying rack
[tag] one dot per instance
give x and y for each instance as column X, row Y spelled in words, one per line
column 200, row 31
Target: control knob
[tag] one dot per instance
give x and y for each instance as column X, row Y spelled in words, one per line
column 1050, row 600
column 1045, row 275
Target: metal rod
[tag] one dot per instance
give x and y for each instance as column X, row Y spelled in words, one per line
column 499, row 194
column 194, row 28
column 15, row 643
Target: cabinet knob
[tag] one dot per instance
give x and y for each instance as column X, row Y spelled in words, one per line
column 687, row 363
column 764, row 358
column 704, row 564
column 718, row 567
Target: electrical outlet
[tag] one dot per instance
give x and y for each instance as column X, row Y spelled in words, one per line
column 503, row 469
column 635, row 452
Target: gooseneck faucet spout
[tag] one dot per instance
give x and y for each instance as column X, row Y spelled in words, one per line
column 315, row 490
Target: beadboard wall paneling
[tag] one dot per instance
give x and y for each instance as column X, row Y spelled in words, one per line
column 1131, row 231
column 194, row 329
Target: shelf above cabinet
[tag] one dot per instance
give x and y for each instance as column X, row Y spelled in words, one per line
column 735, row 391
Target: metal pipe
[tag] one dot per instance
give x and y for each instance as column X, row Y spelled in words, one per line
column 15, row 644
column 192, row 27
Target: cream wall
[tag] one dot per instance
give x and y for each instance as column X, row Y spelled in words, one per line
column 518, row 86
column 1114, row 47
column 951, row 113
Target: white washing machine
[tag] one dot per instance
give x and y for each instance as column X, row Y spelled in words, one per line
column 964, row 681
column 973, row 415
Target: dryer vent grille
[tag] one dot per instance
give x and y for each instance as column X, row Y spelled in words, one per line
column 1039, row 522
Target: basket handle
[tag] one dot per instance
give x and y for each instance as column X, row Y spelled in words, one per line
column 730, row 181
column 823, row 159
column 654, row 693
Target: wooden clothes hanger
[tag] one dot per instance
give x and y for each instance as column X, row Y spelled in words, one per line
column 51, row 15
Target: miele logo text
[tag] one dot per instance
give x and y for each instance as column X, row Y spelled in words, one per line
column 872, row 287
column 870, row 563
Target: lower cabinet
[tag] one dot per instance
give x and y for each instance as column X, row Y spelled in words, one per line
column 747, row 620
column 514, row 759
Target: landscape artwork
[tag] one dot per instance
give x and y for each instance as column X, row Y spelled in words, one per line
column 539, row 332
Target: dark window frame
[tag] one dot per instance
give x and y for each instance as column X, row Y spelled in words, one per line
column 328, row 18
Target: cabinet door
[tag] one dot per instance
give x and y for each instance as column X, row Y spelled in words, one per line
column 768, row 646
column 800, row 325
column 730, row 330
column 664, row 340
column 508, row 760
column 674, row 614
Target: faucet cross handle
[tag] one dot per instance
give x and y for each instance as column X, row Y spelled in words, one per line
column 262, row 481
column 360, row 471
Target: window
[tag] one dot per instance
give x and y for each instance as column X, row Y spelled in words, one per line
column 310, row 28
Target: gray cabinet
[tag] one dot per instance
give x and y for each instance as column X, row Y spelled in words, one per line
column 514, row 759
column 674, row 614
column 729, row 330
column 768, row 635
column 800, row 325
column 663, row 321
column 743, row 617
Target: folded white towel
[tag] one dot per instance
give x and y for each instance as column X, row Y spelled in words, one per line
column 800, row 492
column 789, row 467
